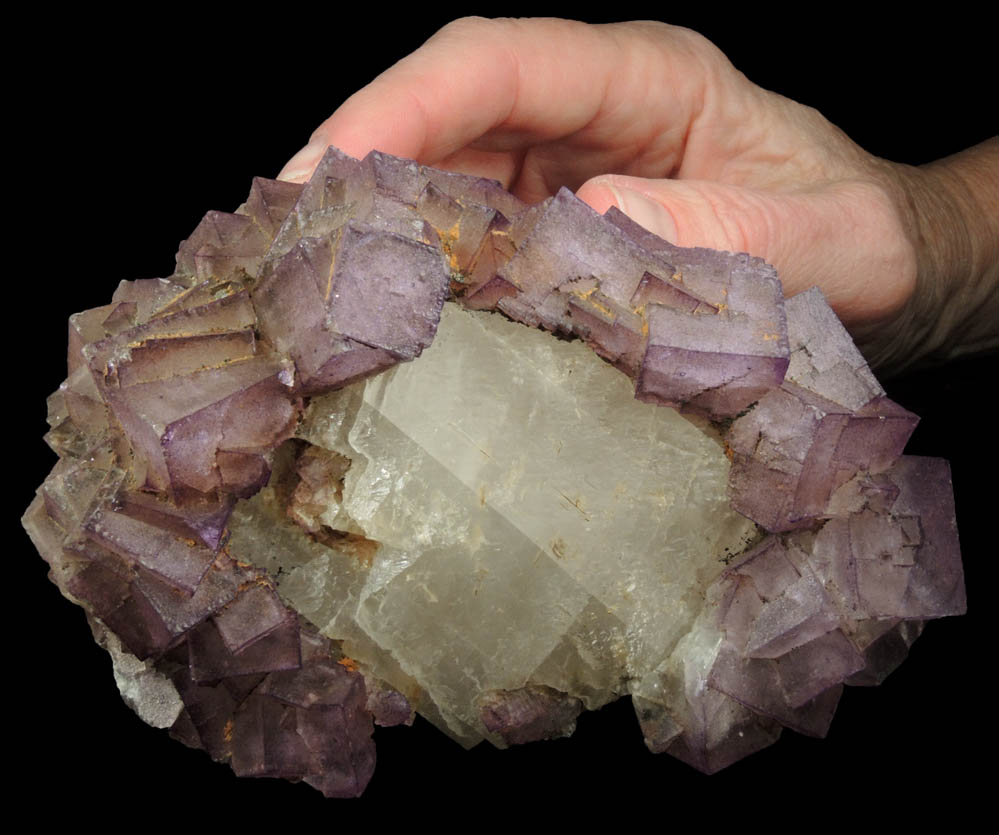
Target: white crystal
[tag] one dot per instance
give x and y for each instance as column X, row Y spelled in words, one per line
column 147, row 691
column 536, row 524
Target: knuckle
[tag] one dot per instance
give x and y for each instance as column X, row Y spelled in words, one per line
column 697, row 44
column 465, row 27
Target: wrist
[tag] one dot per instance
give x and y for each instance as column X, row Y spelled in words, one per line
column 950, row 212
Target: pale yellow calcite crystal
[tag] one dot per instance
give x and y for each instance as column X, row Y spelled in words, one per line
column 532, row 523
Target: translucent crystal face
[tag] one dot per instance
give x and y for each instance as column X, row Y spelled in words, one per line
column 535, row 524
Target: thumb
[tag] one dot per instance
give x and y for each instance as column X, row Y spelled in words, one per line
column 843, row 237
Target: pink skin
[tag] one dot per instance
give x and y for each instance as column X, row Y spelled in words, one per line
column 700, row 155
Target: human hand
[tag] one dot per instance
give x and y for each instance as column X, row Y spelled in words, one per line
column 699, row 155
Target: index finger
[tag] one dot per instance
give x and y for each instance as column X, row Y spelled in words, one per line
column 501, row 85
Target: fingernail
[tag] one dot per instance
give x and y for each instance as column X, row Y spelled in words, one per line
column 645, row 211
column 301, row 166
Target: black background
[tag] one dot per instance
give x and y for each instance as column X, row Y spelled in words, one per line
column 133, row 127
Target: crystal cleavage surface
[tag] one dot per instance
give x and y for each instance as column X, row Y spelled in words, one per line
column 284, row 531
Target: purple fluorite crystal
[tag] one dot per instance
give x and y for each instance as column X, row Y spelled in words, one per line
column 180, row 390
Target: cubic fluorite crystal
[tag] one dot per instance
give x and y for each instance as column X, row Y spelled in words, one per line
column 317, row 480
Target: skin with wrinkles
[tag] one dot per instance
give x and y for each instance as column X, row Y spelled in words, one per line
column 655, row 120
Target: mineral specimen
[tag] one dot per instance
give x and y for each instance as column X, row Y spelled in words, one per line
column 317, row 480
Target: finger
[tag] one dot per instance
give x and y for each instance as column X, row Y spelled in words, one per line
column 503, row 85
column 845, row 238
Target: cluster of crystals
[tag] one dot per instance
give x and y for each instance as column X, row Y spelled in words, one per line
column 182, row 389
